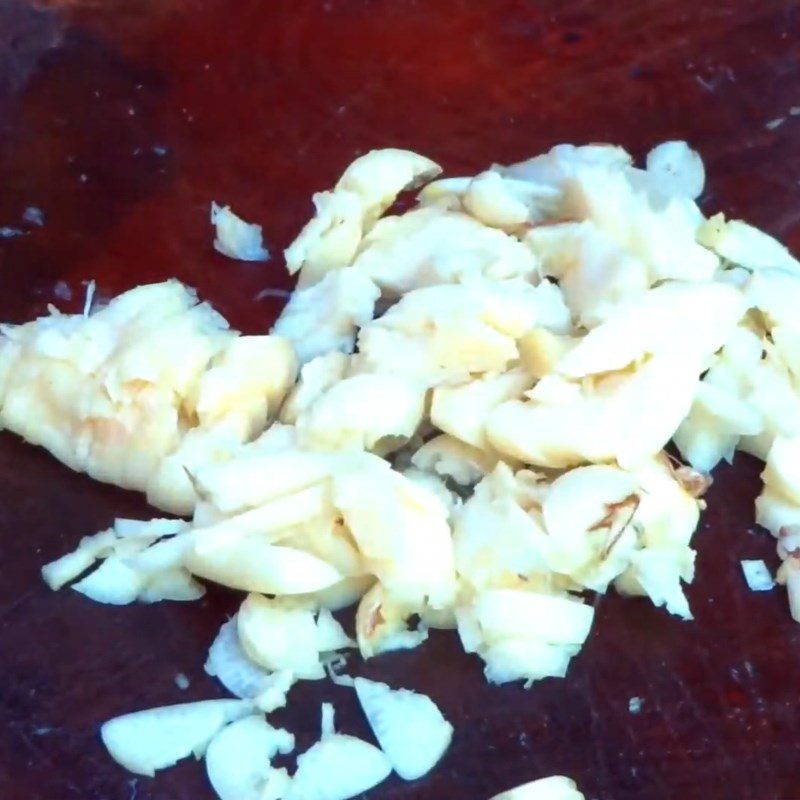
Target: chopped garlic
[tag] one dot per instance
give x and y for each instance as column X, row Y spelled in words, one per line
column 524, row 344
column 236, row 238
column 555, row 788
column 146, row 741
column 338, row 766
column 238, row 758
column 757, row 575
column 408, row 726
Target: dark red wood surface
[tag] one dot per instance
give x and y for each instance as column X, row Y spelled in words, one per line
column 123, row 119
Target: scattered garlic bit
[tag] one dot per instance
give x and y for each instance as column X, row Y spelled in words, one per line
column 238, row 758
column 242, row 677
column 446, row 456
column 500, row 533
column 430, row 246
column 448, row 333
column 789, row 574
column 402, row 533
column 146, row 741
column 757, row 575
column 141, row 388
column 750, row 395
column 316, row 377
column 281, row 634
column 253, row 565
column 554, row 788
column 330, row 239
column 381, row 624
column 778, row 510
column 461, row 410
column 408, row 726
column 323, row 318
column 585, row 528
column 380, row 175
column 88, row 301
column 744, row 245
column 135, row 564
column 338, row 766
column 365, row 190
column 378, row 412
column 236, row 238
column 677, row 169
column 524, row 635
column 596, row 184
column 182, row 682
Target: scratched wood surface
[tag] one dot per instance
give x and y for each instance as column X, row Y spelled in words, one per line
column 122, row 120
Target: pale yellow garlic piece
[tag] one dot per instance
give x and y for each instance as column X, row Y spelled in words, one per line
column 323, row 318
column 316, row 376
column 648, row 326
column 540, row 350
column 450, row 332
column 449, row 457
column 556, row 787
column 660, row 232
column 254, row 478
column 461, row 410
column 381, row 625
column 500, row 534
column 284, row 635
column 401, row 530
column 253, row 564
column 372, row 411
column 588, row 513
column 506, row 203
column 142, row 388
column 380, row 175
column 330, row 239
column 624, row 416
column 743, row 244
column 431, row 246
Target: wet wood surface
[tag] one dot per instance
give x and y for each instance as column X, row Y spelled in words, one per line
column 122, row 120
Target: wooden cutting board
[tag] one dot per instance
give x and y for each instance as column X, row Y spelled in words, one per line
column 122, row 119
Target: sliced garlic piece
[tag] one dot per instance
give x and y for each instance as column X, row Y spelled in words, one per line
column 337, row 767
column 236, row 238
column 252, row 564
column 380, row 175
column 556, row 787
column 228, row 662
column 278, row 636
column 146, row 741
column 238, row 757
column 409, row 727
column 677, row 169
column 509, row 613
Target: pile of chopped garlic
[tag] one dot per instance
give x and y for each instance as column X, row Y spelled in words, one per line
column 474, row 440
